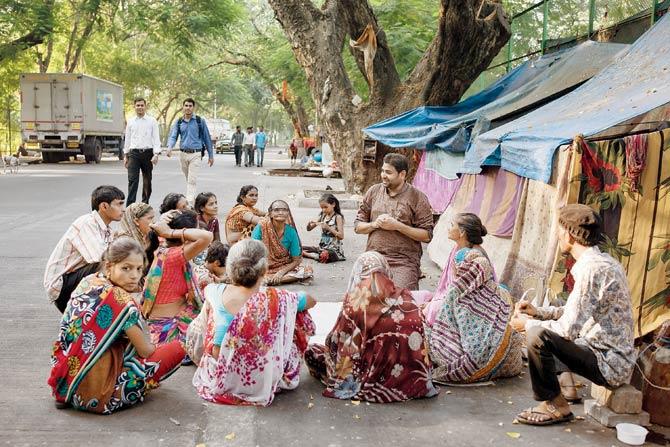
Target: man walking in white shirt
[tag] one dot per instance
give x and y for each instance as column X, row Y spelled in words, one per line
column 248, row 147
column 141, row 150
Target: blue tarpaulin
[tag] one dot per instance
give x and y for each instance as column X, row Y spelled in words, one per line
column 530, row 84
column 636, row 83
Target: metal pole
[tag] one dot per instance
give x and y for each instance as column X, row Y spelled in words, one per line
column 509, row 47
column 654, row 9
column 592, row 13
column 545, row 18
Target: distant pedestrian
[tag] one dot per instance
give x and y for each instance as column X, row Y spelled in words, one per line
column 249, row 142
column 236, row 141
column 195, row 140
column 79, row 251
column 141, row 149
column 261, row 141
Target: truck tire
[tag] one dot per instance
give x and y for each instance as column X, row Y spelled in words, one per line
column 97, row 154
column 49, row 157
column 92, row 150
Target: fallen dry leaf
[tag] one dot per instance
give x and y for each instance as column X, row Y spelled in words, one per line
column 515, row 421
column 310, row 405
column 513, row 434
column 356, row 416
column 569, row 430
column 579, row 418
column 230, row 436
column 448, row 392
column 510, row 402
column 174, row 421
column 355, row 402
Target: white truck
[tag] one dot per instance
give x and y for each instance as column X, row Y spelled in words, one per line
column 64, row 114
column 220, row 131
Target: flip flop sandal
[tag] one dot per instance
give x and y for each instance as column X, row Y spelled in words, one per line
column 555, row 417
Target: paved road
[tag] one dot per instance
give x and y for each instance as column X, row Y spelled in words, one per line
column 37, row 206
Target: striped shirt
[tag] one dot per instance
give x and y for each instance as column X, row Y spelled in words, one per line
column 83, row 243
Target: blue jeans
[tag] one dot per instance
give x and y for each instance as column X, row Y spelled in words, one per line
column 260, row 155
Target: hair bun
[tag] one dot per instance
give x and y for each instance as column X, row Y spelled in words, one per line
column 483, row 230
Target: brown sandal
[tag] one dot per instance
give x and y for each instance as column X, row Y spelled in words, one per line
column 552, row 416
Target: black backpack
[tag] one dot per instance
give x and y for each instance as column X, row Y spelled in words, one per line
column 200, row 132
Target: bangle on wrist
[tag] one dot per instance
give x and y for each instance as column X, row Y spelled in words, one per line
column 183, row 235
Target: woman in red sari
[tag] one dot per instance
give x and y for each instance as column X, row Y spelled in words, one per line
column 376, row 352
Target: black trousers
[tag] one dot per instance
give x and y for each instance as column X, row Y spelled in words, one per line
column 545, row 347
column 238, row 155
column 139, row 160
column 71, row 281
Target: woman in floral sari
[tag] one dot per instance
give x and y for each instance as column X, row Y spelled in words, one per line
column 103, row 360
column 255, row 339
column 376, row 352
column 471, row 338
column 171, row 296
column 278, row 233
column 244, row 216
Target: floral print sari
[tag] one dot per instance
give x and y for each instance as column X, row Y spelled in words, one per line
column 236, row 224
column 261, row 353
column 376, row 351
column 94, row 366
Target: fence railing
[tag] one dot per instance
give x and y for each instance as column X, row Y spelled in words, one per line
column 544, row 25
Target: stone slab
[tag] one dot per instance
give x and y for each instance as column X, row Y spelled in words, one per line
column 605, row 416
column 625, row 399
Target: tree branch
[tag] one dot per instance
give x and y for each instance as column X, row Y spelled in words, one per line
column 44, row 27
column 357, row 15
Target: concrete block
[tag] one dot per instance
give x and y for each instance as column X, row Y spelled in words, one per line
column 609, row 418
column 625, row 399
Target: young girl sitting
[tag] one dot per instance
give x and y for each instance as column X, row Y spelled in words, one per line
column 103, row 360
column 331, row 223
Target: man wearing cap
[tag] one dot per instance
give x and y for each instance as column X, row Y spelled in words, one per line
column 592, row 335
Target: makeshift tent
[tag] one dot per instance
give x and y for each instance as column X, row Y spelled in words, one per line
column 529, row 85
column 543, row 79
column 623, row 171
column 635, row 83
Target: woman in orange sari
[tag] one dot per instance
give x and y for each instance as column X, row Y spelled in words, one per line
column 279, row 234
column 244, row 216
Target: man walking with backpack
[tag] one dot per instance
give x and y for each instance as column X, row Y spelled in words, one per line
column 195, row 140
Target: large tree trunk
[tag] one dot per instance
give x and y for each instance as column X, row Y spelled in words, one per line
column 470, row 34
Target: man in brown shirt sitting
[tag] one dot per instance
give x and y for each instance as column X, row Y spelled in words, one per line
column 397, row 218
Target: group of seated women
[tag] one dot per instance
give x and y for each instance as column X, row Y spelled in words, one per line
column 388, row 344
